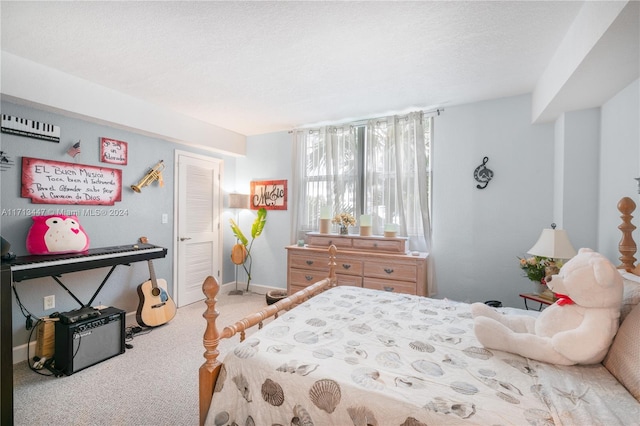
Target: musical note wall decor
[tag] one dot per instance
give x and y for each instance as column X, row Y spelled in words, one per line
column 5, row 161
column 482, row 174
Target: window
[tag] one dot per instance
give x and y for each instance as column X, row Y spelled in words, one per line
column 381, row 167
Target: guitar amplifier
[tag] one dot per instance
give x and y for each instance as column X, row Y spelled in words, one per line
column 87, row 342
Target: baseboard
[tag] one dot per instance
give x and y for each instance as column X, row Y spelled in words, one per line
column 253, row 288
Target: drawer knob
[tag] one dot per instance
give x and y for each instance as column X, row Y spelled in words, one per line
column 388, row 288
column 309, row 262
column 346, row 266
column 375, row 244
column 330, row 242
column 388, row 270
column 308, row 277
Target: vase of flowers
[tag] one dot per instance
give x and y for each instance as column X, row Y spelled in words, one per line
column 535, row 269
column 344, row 220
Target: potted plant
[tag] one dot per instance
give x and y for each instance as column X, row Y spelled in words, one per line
column 241, row 252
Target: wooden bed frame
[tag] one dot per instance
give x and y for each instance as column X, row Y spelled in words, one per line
column 210, row 370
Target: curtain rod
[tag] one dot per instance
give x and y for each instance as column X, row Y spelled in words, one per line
column 436, row 111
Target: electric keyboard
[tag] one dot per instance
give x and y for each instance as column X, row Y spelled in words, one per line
column 29, row 128
column 29, row 267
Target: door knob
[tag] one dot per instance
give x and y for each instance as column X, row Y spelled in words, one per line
column 185, row 238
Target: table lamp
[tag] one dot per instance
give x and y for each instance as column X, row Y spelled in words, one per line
column 553, row 244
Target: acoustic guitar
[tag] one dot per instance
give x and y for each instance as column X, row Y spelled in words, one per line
column 155, row 307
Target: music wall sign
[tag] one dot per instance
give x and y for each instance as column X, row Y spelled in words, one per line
column 57, row 182
column 270, row 194
column 113, row 151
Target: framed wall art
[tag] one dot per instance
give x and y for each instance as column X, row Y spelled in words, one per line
column 113, row 151
column 57, row 182
column 270, row 194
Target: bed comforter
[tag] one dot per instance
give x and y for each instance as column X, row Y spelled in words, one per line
column 353, row 356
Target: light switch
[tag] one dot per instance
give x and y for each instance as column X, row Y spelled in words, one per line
column 165, row 218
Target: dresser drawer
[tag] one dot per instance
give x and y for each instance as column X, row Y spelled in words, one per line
column 351, row 280
column 390, row 285
column 300, row 280
column 309, row 261
column 404, row 271
column 347, row 265
column 327, row 240
column 304, row 278
column 380, row 245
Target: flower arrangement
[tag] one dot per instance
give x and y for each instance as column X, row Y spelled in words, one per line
column 344, row 219
column 535, row 267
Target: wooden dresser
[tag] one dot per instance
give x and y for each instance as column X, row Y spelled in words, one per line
column 373, row 262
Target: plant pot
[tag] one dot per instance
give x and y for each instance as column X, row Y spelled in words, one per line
column 539, row 288
column 274, row 296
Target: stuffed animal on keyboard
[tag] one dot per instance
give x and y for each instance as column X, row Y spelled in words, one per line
column 56, row 234
column 577, row 329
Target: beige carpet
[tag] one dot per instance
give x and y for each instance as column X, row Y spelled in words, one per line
column 154, row 383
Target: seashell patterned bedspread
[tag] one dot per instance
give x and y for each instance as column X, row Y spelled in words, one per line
column 353, row 356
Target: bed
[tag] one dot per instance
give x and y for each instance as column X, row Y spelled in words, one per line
column 340, row 355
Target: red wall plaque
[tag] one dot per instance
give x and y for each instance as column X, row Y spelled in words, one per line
column 56, row 182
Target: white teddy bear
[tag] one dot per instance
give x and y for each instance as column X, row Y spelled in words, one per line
column 577, row 329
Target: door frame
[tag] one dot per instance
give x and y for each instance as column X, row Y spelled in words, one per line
column 176, row 196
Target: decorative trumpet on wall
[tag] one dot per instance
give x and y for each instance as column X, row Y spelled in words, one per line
column 482, row 174
column 152, row 175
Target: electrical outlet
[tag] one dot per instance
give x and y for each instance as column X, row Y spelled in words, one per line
column 49, row 302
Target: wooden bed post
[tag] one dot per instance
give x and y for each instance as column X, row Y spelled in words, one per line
column 211, row 368
column 627, row 246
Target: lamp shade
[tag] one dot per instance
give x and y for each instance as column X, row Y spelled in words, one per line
column 553, row 243
column 238, row 201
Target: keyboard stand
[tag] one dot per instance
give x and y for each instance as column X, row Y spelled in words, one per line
column 104, row 281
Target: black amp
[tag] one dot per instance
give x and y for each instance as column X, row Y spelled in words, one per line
column 84, row 343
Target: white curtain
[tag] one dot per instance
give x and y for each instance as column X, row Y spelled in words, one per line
column 396, row 177
column 325, row 174
column 394, row 185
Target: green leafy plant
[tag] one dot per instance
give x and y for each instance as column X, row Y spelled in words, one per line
column 256, row 231
column 534, row 267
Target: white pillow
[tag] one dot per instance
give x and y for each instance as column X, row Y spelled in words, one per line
column 631, row 295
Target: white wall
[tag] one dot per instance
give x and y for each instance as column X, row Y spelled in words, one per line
column 479, row 233
column 268, row 158
column 619, row 165
column 577, row 140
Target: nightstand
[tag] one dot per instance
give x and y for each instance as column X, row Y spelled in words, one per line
column 543, row 301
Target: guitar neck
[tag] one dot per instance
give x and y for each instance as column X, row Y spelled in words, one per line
column 152, row 274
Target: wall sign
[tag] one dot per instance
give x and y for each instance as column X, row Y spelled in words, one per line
column 113, row 151
column 56, row 182
column 29, row 128
column 270, row 194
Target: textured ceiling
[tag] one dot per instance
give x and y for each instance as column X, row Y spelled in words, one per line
column 259, row 67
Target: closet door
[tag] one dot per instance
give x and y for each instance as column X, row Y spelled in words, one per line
column 198, row 213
